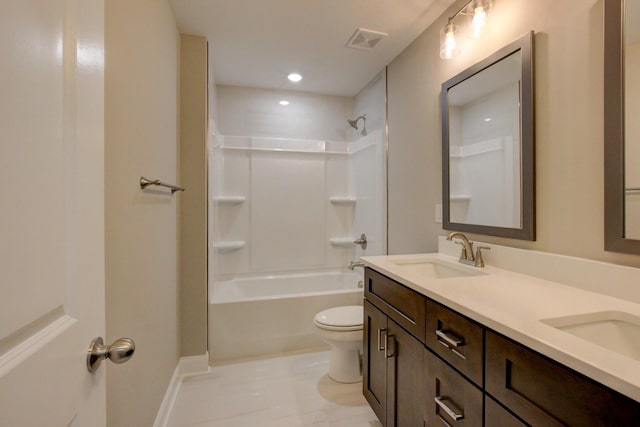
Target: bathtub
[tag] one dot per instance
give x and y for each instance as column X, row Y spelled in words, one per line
column 254, row 316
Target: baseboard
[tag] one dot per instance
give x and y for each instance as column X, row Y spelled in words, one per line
column 189, row 365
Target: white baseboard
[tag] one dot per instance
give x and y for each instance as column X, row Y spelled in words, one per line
column 189, row 365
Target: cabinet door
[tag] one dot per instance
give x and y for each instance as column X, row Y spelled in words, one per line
column 406, row 382
column 374, row 372
column 449, row 398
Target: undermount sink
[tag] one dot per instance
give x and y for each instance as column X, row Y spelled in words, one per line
column 615, row 330
column 429, row 267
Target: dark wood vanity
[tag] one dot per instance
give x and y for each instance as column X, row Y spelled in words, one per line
column 425, row 364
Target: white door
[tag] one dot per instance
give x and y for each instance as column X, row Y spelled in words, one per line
column 51, row 211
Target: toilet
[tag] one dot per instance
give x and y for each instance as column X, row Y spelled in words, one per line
column 341, row 328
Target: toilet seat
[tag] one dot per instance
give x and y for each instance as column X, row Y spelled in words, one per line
column 347, row 318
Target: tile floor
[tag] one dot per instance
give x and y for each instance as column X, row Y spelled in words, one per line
column 288, row 391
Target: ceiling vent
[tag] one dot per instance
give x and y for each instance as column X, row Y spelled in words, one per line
column 365, row 39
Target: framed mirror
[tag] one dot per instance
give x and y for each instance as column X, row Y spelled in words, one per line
column 621, row 127
column 488, row 170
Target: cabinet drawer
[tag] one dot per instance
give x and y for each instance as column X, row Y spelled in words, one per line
column 496, row 415
column 450, row 398
column 544, row 393
column 405, row 306
column 456, row 339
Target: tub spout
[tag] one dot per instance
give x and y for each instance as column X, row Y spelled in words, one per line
column 354, row 264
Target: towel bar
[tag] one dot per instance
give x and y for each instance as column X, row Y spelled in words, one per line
column 144, row 183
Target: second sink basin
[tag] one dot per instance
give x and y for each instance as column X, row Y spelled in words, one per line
column 614, row 330
column 429, row 267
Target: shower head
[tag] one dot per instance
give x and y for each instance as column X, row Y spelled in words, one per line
column 354, row 124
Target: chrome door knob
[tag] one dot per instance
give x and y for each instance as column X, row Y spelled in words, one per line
column 120, row 351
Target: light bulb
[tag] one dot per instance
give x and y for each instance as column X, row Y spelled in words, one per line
column 478, row 21
column 448, row 44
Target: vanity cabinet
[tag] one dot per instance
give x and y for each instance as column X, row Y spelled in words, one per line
column 394, row 325
column 427, row 365
column 545, row 393
column 392, row 361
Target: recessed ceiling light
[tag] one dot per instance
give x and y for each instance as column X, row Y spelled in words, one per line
column 488, row 119
column 284, row 102
column 294, row 77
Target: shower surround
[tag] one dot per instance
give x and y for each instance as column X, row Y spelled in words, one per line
column 287, row 208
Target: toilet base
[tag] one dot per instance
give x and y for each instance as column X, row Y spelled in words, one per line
column 345, row 366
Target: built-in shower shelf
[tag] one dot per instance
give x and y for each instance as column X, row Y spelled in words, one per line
column 229, row 245
column 460, row 198
column 342, row 200
column 341, row 241
column 229, row 200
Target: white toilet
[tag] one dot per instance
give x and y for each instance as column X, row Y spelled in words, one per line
column 341, row 328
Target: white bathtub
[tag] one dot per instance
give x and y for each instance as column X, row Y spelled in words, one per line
column 252, row 316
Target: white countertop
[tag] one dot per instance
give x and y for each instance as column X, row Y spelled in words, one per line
column 514, row 304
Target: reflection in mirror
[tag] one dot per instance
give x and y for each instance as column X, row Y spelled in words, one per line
column 631, row 40
column 488, row 182
column 484, row 146
column 621, row 127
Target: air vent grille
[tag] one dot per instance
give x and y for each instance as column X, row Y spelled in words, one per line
column 365, row 39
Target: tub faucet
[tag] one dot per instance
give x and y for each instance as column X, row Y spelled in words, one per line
column 362, row 241
column 466, row 255
column 354, row 264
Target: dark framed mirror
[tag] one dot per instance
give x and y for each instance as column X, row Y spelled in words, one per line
column 488, row 157
column 621, row 127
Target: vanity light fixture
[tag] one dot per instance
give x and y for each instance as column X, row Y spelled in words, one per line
column 448, row 43
column 294, row 77
column 478, row 10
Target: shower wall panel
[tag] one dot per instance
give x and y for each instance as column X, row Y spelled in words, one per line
column 273, row 206
column 287, row 211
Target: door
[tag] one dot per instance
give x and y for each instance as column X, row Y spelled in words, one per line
column 51, row 211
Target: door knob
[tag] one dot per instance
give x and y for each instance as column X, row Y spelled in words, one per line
column 119, row 352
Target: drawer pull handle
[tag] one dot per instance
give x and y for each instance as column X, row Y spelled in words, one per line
column 453, row 413
column 380, row 346
column 449, row 338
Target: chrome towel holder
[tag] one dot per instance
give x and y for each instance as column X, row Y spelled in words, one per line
column 144, row 183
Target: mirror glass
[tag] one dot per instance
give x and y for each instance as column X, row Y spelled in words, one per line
column 487, row 145
column 621, row 127
column 631, row 40
column 484, row 146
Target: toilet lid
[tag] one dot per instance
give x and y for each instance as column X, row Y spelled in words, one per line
column 349, row 316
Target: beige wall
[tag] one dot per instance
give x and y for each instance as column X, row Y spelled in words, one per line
column 141, row 109
column 569, row 127
column 193, row 202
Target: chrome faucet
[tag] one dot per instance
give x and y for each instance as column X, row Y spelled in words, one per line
column 354, row 264
column 466, row 255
